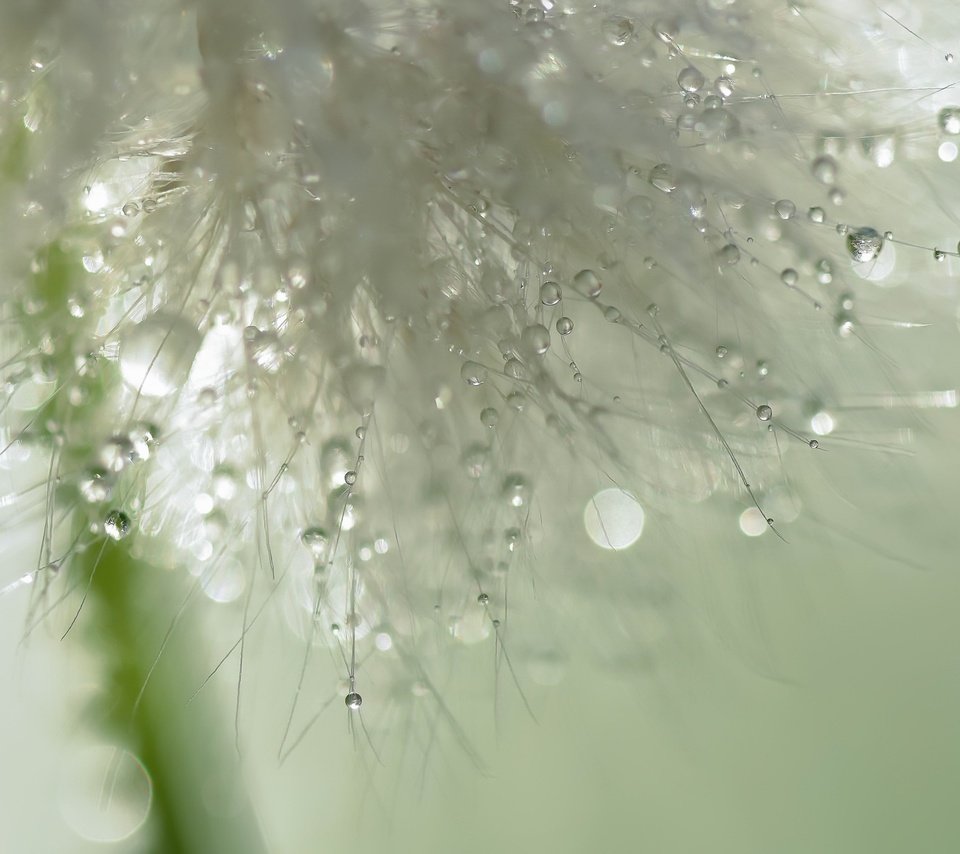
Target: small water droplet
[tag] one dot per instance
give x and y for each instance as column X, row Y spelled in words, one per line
column 317, row 542
column 535, row 339
column 350, row 478
column 589, row 283
column 353, row 701
column 564, row 325
column 661, row 177
column 824, row 169
column 785, row 208
column 489, row 417
column 789, row 277
column 117, row 525
column 949, row 120
column 864, row 244
column 690, row 79
column 729, row 254
column 473, row 373
column 550, row 293
column 764, row 412
column 617, row 30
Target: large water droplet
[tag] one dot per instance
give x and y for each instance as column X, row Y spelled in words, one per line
column 156, row 355
column 864, row 244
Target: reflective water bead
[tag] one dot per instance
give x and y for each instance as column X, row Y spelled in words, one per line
column 729, row 254
column 690, row 79
column 317, row 542
column 489, row 417
column 764, row 412
column 514, row 369
column 156, row 355
column 723, row 87
column 588, row 282
column 785, row 208
column 824, row 169
column 516, row 489
column 117, row 525
column 949, row 120
column 536, row 339
column 789, row 277
column 564, row 325
column 611, row 314
column 95, row 486
column 864, row 244
column 617, row 30
column 350, row 478
column 661, row 177
column 353, row 701
column 816, row 215
column 550, row 293
column 473, row 373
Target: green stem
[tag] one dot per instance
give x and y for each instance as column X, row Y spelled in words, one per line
column 128, row 610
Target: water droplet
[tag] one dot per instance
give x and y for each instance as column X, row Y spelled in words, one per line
column 489, row 417
column 156, row 355
column 729, row 254
column 789, row 277
column 130, row 209
column 550, row 293
column 814, row 444
column 785, row 208
column 353, row 701
column 475, row 459
column 939, row 254
column 824, row 169
column 816, row 215
column 317, row 542
column 611, row 314
column 350, row 478
column 516, row 489
column 617, row 30
column 564, row 325
column 514, row 369
column 588, row 282
column 473, row 373
column 95, row 486
column 690, row 79
column 949, row 120
column 723, row 87
column 117, row 525
column 535, row 339
column 864, row 244
column 483, row 599
column 764, row 412
column 661, row 177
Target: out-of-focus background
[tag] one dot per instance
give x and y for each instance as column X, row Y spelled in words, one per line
column 807, row 702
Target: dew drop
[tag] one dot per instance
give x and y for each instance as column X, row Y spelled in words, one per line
column 785, row 208
column 95, row 486
column 550, row 293
column 729, row 254
column 949, row 120
column 353, row 701
column 864, row 244
column 824, row 169
column 588, row 282
column 789, row 277
column 661, row 177
column 156, row 355
column 690, row 79
column 564, row 325
column 473, row 373
column 816, row 215
column 317, row 542
column 350, row 478
column 536, row 339
column 617, row 30
column 489, row 417
column 516, row 490
column 117, row 525
column 764, row 412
